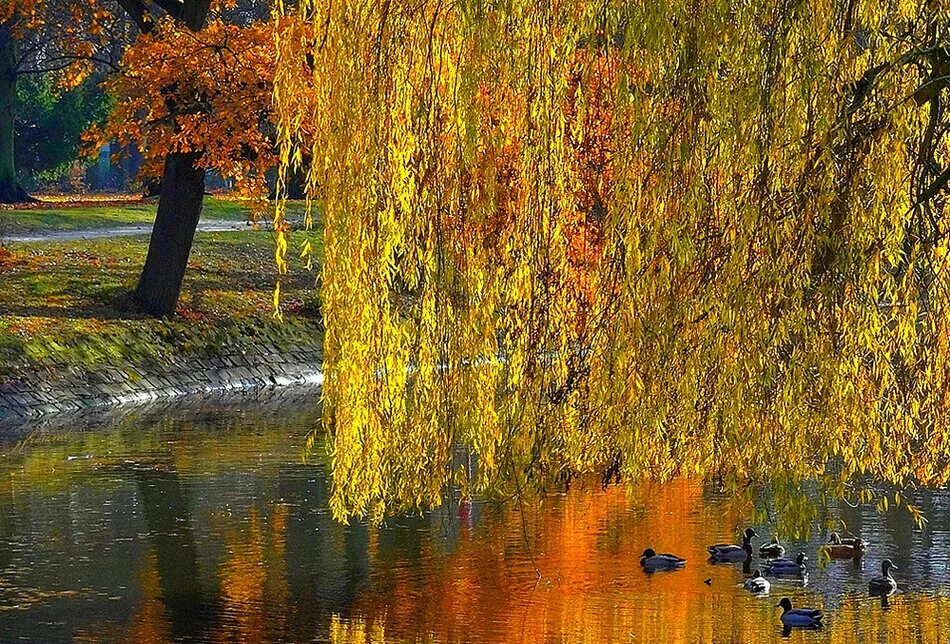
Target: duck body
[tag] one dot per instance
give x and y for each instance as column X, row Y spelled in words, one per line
column 653, row 562
column 757, row 584
column 848, row 548
column 787, row 567
column 799, row 617
column 731, row 552
column 772, row 550
column 735, row 554
column 843, row 551
column 885, row 585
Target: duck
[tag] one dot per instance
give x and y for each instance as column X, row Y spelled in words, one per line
column 653, row 562
column 787, row 567
column 884, row 585
column 850, row 548
column 730, row 552
column 757, row 584
column 772, row 550
column 800, row 617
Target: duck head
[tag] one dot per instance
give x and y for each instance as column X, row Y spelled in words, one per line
column 785, row 604
column 649, row 552
column 835, row 539
column 748, row 534
column 887, row 566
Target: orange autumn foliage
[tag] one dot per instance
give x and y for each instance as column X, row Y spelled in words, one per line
column 20, row 9
column 208, row 92
column 64, row 38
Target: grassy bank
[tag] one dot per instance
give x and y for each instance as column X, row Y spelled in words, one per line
column 66, row 304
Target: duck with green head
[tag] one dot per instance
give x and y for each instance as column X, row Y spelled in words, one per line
column 731, row 552
column 653, row 562
column 885, row 585
column 799, row 617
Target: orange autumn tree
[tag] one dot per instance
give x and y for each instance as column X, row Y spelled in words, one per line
column 195, row 95
column 205, row 94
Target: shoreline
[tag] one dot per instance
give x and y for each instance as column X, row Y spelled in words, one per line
column 184, row 378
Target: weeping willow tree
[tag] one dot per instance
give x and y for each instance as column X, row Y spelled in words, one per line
column 643, row 239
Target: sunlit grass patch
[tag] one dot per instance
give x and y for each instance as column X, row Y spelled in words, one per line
column 69, row 303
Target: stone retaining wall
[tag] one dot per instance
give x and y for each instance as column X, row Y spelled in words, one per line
column 35, row 396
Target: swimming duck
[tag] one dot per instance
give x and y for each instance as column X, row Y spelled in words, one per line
column 885, row 584
column 730, row 552
column 757, row 584
column 787, row 567
column 653, row 562
column 800, row 617
column 772, row 549
column 850, row 548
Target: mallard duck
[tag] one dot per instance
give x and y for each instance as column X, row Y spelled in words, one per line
column 787, row 567
column 772, row 550
column 757, row 584
column 800, row 617
column 851, row 548
column 730, row 552
column 653, row 562
column 885, row 584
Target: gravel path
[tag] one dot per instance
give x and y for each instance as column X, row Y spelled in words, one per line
column 210, row 226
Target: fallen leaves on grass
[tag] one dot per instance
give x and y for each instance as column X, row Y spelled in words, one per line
column 7, row 258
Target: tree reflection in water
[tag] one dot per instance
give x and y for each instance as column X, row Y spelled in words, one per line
column 215, row 529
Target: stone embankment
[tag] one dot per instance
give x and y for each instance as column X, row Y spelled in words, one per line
column 30, row 397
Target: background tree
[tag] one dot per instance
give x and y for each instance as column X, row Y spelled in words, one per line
column 193, row 93
column 62, row 38
column 50, row 123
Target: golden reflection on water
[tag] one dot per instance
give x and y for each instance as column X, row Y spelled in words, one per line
column 149, row 624
column 587, row 586
column 566, row 571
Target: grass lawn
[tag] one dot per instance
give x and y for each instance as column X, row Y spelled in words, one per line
column 57, row 214
column 67, row 303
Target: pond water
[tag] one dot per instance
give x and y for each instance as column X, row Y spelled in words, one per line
column 204, row 525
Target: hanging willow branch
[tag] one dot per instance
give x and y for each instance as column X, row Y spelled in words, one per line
column 650, row 239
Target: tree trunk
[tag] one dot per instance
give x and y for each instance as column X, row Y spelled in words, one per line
column 10, row 190
column 179, row 208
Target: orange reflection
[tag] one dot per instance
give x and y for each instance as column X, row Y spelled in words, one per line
column 585, row 583
column 254, row 577
column 149, row 622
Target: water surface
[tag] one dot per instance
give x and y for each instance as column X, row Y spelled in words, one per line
column 204, row 525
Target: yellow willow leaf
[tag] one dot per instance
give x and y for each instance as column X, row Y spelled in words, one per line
column 278, row 314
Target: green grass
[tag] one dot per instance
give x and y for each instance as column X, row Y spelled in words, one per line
column 67, row 303
column 61, row 216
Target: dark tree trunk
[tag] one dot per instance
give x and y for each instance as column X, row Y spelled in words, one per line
column 10, row 189
column 179, row 208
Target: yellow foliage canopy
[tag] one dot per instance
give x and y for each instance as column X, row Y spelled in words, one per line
column 687, row 237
